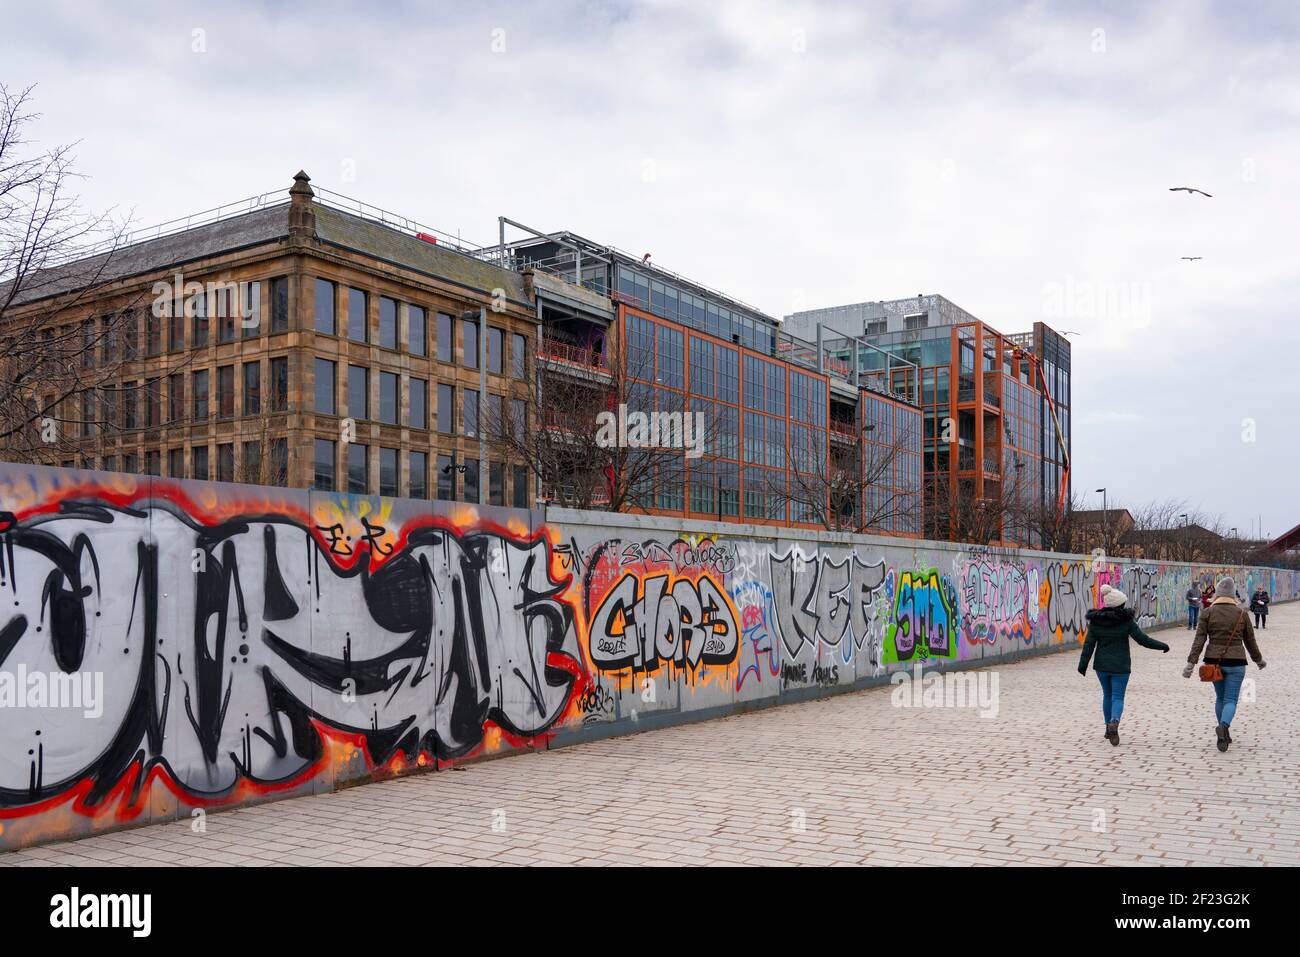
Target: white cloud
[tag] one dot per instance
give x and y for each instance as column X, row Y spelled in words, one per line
column 983, row 151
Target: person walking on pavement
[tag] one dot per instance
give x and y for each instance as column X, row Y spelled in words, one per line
column 1109, row 630
column 1226, row 635
column 1193, row 605
column 1259, row 606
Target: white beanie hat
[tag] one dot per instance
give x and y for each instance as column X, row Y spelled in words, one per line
column 1226, row 588
column 1112, row 597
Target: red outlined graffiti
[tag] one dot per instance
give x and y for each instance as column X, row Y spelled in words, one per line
column 645, row 622
column 244, row 653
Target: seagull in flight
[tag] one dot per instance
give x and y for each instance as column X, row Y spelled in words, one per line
column 1189, row 190
column 1192, row 259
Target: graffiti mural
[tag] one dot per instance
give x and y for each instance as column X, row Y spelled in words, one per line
column 825, row 599
column 997, row 597
column 663, row 630
column 169, row 645
column 925, row 618
column 242, row 642
column 1066, row 597
column 645, row 622
column 761, row 655
column 1140, row 586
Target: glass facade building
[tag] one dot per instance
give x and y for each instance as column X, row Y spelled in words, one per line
column 778, row 417
column 766, row 431
column 997, row 408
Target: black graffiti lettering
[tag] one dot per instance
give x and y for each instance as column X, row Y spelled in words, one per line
column 826, row 676
column 823, row 599
column 372, row 536
column 792, row 673
column 595, row 703
column 236, row 670
column 336, row 540
column 644, row 622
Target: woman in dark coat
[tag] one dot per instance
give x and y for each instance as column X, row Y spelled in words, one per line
column 1259, row 606
column 1109, row 630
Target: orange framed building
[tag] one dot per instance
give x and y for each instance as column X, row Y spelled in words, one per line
column 995, row 407
column 781, row 412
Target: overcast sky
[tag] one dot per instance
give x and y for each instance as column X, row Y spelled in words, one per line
column 1013, row 157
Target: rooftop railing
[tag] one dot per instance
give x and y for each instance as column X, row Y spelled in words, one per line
column 144, row 234
column 376, row 214
column 270, row 200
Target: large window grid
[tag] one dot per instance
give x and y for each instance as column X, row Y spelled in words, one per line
column 660, row 297
column 892, row 453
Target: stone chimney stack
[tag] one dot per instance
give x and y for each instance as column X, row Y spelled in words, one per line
column 302, row 214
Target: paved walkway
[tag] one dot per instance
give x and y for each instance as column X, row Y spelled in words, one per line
column 849, row 780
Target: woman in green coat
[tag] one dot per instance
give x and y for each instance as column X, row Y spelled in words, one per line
column 1109, row 629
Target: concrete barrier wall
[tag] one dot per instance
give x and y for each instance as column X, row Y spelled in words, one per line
column 171, row 647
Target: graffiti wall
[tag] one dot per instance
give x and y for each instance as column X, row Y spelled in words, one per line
column 170, row 647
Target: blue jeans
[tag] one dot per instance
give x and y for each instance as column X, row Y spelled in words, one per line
column 1193, row 615
column 1226, row 692
column 1112, row 694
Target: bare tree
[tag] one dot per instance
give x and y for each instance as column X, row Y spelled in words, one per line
column 57, row 363
column 584, row 443
column 1171, row 530
column 264, row 462
column 1008, row 510
column 852, row 489
column 1053, row 527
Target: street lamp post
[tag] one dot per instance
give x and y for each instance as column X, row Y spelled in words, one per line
column 864, row 475
column 1105, row 521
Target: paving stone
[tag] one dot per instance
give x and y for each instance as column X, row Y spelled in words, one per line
column 1037, row 785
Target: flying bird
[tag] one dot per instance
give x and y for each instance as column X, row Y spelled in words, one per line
column 1189, row 190
column 1192, row 259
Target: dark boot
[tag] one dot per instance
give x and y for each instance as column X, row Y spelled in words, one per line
column 1221, row 732
column 1112, row 732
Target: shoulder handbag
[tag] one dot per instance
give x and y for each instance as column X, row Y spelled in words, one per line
column 1214, row 672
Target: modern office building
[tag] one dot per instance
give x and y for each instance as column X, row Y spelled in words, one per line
column 783, row 414
column 1052, row 351
column 295, row 339
column 996, row 407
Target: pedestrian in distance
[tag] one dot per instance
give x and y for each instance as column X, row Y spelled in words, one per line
column 1193, row 605
column 1259, row 606
column 1207, row 596
column 1109, row 630
column 1226, row 635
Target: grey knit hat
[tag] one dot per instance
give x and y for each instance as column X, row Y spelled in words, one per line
column 1225, row 588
